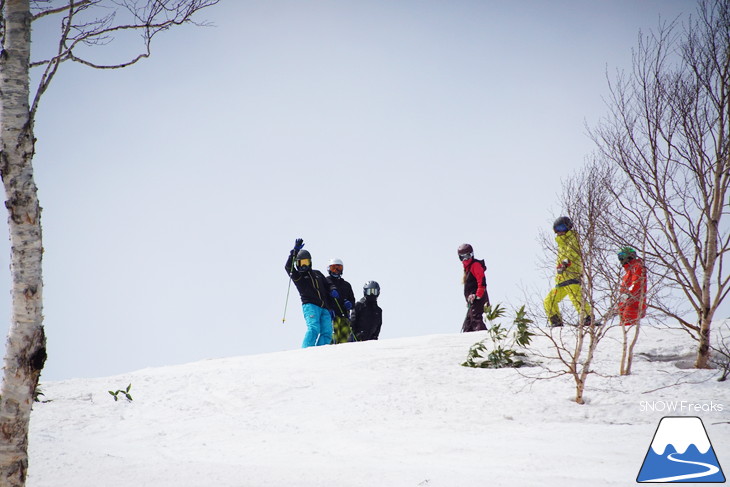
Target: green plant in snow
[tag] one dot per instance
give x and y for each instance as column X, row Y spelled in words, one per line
column 502, row 351
column 124, row 392
column 37, row 395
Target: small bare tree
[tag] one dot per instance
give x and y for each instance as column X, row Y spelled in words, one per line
column 610, row 234
column 668, row 134
column 81, row 25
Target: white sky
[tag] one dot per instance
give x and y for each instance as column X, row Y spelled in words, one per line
column 383, row 133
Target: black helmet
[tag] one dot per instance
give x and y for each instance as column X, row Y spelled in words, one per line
column 304, row 260
column 371, row 288
column 563, row 224
column 465, row 251
column 626, row 254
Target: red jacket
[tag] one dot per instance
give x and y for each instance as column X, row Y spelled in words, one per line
column 633, row 284
column 475, row 282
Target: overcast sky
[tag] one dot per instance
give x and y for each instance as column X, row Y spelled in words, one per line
column 383, row 133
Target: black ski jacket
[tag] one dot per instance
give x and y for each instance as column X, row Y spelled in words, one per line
column 312, row 286
column 367, row 318
column 345, row 291
column 472, row 284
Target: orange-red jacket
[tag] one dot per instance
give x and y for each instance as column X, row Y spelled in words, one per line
column 633, row 284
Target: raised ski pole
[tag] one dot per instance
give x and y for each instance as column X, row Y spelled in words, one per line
column 286, row 303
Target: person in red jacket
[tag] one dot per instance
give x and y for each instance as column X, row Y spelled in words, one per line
column 632, row 303
column 475, row 289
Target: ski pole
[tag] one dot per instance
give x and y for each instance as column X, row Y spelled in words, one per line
column 286, row 303
column 338, row 306
column 352, row 333
column 337, row 302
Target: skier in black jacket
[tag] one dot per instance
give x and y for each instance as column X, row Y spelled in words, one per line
column 475, row 289
column 343, row 304
column 367, row 317
column 316, row 294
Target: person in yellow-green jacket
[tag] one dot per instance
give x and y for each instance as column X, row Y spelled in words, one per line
column 569, row 271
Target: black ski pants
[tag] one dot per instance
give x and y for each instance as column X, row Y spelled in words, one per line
column 474, row 320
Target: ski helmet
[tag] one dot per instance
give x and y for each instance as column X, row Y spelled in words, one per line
column 371, row 288
column 304, row 260
column 626, row 254
column 465, row 251
column 335, row 267
column 563, row 224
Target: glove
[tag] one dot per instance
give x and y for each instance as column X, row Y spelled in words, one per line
column 334, row 294
column 563, row 265
column 348, row 304
column 471, row 298
column 298, row 244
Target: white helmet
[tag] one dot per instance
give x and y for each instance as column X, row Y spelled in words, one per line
column 335, row 267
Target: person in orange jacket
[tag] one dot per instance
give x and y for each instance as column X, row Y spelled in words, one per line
column 632, row 304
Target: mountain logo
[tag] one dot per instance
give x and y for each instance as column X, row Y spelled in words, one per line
column 681, row 452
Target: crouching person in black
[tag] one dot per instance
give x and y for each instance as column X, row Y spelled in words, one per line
column 367, row 317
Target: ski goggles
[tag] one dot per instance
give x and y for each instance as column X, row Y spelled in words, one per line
column 372, row 291
column 466, row 256
column 336, row 268
column 304, row 262
column 561, row 228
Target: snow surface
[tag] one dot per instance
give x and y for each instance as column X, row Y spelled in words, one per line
column 399, row 412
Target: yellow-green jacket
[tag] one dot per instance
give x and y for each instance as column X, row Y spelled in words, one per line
column 568, row 250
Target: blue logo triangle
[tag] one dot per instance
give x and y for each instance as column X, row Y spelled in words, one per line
column 681, row 452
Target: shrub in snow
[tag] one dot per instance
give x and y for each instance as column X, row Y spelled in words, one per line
column 124, row 392
column 503, row 343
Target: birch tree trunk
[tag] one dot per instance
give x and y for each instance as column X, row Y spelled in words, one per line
column 627, row 347
column 25, row 353
column 26, row 348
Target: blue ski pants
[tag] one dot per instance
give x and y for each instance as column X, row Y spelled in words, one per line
column 319, row 326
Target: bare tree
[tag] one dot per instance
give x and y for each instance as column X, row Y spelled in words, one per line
column 668, row 132
column 606, row 193
column 81, row 24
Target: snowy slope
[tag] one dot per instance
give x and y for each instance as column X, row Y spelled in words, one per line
column 399, row 412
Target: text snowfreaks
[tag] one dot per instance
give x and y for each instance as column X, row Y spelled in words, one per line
column 680, row 407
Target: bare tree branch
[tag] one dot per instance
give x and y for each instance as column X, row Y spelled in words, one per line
column 83, row 25
column 52, row 11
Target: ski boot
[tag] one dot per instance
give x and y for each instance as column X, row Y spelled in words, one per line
column 556, row 321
